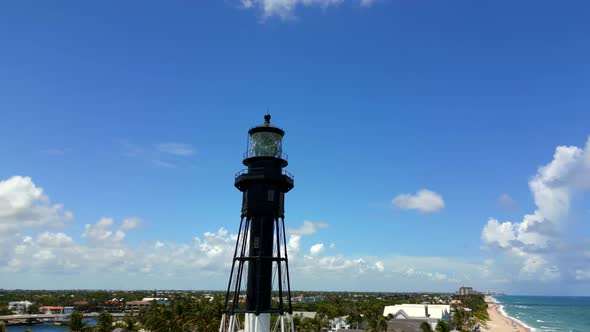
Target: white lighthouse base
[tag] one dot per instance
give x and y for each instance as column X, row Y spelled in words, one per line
column 260, row 323
column 254, row 323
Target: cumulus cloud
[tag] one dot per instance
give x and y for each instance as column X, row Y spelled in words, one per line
column 308, row 228
column 102, row 232
column 425, row 201
column 285, row 9
column 380, row 266
column 35, row 250
column 536, row 241
column 24, row 206
column 316, row 249
column 130, row 223
column 178, row 149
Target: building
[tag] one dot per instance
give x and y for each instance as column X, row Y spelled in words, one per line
column 405, row 317
column 51, row 309
column 405, row 325
column 137, row 305
column 305, row 314
column 463, row 291
column 68, row 311
column 159, row 300
column 309, row 299
column 339, row 323
column 112, row 306
column 19, row 307
column 82, row 306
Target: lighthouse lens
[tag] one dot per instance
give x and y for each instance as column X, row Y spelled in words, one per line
column 265, row 144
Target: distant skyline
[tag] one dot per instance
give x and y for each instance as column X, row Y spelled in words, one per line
column 434, row 145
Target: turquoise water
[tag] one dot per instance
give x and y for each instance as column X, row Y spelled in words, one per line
column 549, row 313
column 45, row 327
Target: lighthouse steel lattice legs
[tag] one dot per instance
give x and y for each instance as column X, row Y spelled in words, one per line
column 252, row 322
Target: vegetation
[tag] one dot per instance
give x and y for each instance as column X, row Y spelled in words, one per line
column 442, row 326
column 104, row 322
column 190, row 311
column 76, row 323
column 472, row 310
column 425, row 327
column 183, row 314
column 130, row 323
column 4, row 310
column 2, row 327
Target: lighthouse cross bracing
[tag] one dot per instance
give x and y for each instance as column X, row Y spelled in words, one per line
column 258, row 297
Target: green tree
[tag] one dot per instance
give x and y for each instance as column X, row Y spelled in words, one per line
column 425, row 327
column 4, row 310
column 76, row 322
column 297, row 323
column 442, row 326
column 32, row 309
column 2, row 327
column 104, row 322
column 28, row 330
column 130, row 322
column 377, row 323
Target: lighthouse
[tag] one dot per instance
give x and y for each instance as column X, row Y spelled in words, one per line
column 259, row 284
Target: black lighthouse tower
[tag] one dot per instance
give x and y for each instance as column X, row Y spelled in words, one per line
column 259, row 281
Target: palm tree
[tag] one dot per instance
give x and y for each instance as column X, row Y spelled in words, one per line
column 355, row 318
column 104, row 322
column 425, row 327
column 2, row 327
column 442, row 326
column 377, row 323
column 76, row 323
column 129, row 322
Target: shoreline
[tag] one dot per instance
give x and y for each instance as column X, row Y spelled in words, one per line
column 500, row 321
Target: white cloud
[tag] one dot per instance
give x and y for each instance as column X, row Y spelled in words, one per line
column 316, row 249
column 130, row 223
column 178, row 149
column 500, row 234
column 380, row 266
column 216, row 244
column 54, row 240
column 24, row 206
column 101, row 232
column 425, row 201
column 308, row 228
column 535, row 242
column 285, row 9
column 34, row 250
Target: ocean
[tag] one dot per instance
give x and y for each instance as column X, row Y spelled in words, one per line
column 548, row 313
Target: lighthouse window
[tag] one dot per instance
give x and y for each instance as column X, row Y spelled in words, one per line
column 271, row 195
column 265, row 144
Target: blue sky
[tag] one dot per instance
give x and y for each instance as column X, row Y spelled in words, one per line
column 139, row 111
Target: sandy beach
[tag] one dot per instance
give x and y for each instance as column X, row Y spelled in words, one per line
column 499, row 322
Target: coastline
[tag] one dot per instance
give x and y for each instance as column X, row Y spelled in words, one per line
column 500, row 321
